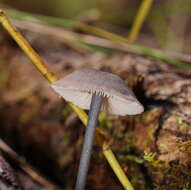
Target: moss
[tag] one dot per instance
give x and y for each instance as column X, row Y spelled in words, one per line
column 151, row 115
column 150, row 133
column 176, row 177
column 150, row 157
column 106, row 120
column 66, row 112
column 25, row 118
column 137, row 181
column 135, row 158
column 167, row 176
column 146, row 126
column 181, row 123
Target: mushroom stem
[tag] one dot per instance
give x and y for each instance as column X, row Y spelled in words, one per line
column 88, row 141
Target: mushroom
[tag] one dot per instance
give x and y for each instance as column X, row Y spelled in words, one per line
column 95, row 90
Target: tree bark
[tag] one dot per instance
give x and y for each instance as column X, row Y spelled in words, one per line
column 153, row 148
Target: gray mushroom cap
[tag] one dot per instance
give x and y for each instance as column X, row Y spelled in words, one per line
column 79, row 86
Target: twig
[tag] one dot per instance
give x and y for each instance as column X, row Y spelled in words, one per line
column 26, row 167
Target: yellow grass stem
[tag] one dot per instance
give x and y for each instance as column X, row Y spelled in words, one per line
column 40, row 65
column 117, row 168
column 25, row 46
column 139, row 20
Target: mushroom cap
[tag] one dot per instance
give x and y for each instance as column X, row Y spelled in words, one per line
column 79, row 86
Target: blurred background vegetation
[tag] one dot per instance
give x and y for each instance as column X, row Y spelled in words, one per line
column 167, row 26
